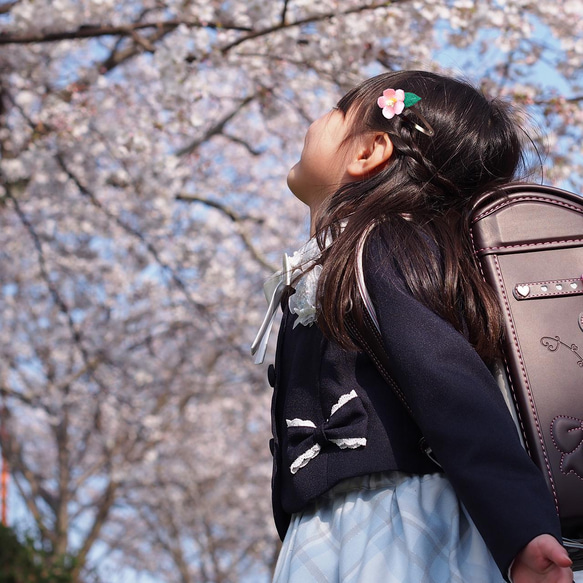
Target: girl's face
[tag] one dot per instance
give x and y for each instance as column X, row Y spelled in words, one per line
column 322, row 166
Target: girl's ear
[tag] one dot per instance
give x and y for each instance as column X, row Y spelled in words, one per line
column 371, row 156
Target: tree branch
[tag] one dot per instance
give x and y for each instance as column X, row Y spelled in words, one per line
column 19, row 467
column 84, row 190
column 53, row 291
column 241, row 142
column 283, row 12
column 226, row 210
column 61, row 501
column 214, row 130
column 143, row 42
column 237, row 219
column 5, row 8
column 117, row 57
column 211, row 549
column 307, row 20
column 89, row 31
column 104, row 507
column 26, row 399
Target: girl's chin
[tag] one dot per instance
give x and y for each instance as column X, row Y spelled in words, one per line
column 304, row 189
column 293, row 183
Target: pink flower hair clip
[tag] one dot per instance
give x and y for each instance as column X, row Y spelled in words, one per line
column 394, row 101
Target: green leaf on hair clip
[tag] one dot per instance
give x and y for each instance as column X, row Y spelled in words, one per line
column 411, row 99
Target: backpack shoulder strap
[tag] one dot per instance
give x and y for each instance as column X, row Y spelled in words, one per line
column 368, row 336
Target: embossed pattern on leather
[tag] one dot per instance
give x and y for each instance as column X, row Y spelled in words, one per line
column 567, row 434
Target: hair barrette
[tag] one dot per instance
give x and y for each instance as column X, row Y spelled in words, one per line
column 394, row 101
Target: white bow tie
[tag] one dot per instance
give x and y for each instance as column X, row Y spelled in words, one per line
column 273, row 289
column 302, row 302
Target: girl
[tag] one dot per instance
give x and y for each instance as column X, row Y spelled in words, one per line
column 389, row 176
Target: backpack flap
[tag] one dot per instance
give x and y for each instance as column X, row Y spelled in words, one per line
column 529, row 243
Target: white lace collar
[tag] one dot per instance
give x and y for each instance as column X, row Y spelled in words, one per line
column 302, row 302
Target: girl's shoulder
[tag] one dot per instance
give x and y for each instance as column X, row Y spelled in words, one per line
column 395, row 257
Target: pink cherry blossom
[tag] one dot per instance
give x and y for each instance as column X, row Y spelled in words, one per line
column 392, row 102
column 142, row 174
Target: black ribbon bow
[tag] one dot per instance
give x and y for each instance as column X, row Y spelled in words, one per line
column 345, row 428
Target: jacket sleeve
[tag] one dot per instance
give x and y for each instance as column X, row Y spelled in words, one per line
column 459, row 408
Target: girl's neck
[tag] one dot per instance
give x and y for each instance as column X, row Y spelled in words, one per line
column 315, row 209
column 312, row 224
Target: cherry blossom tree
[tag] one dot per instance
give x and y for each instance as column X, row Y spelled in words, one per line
column 144, row 150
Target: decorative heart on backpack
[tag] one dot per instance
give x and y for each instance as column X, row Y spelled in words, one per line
column 523, row 290
column 567, row 434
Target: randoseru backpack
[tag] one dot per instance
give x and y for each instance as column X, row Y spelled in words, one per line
column 528, row 240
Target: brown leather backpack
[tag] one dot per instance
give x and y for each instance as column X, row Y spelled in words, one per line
column 528, row 240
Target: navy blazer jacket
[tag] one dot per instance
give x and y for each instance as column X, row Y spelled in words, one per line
column 324, row 395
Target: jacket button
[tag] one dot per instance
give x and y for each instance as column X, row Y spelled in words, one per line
column 271, row 375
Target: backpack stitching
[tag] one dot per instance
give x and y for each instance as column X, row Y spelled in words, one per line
column 507, row 202
column 525, row 377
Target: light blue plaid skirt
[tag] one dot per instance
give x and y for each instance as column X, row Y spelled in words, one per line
column 386, row 528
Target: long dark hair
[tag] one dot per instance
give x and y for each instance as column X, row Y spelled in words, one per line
column 419, row 203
